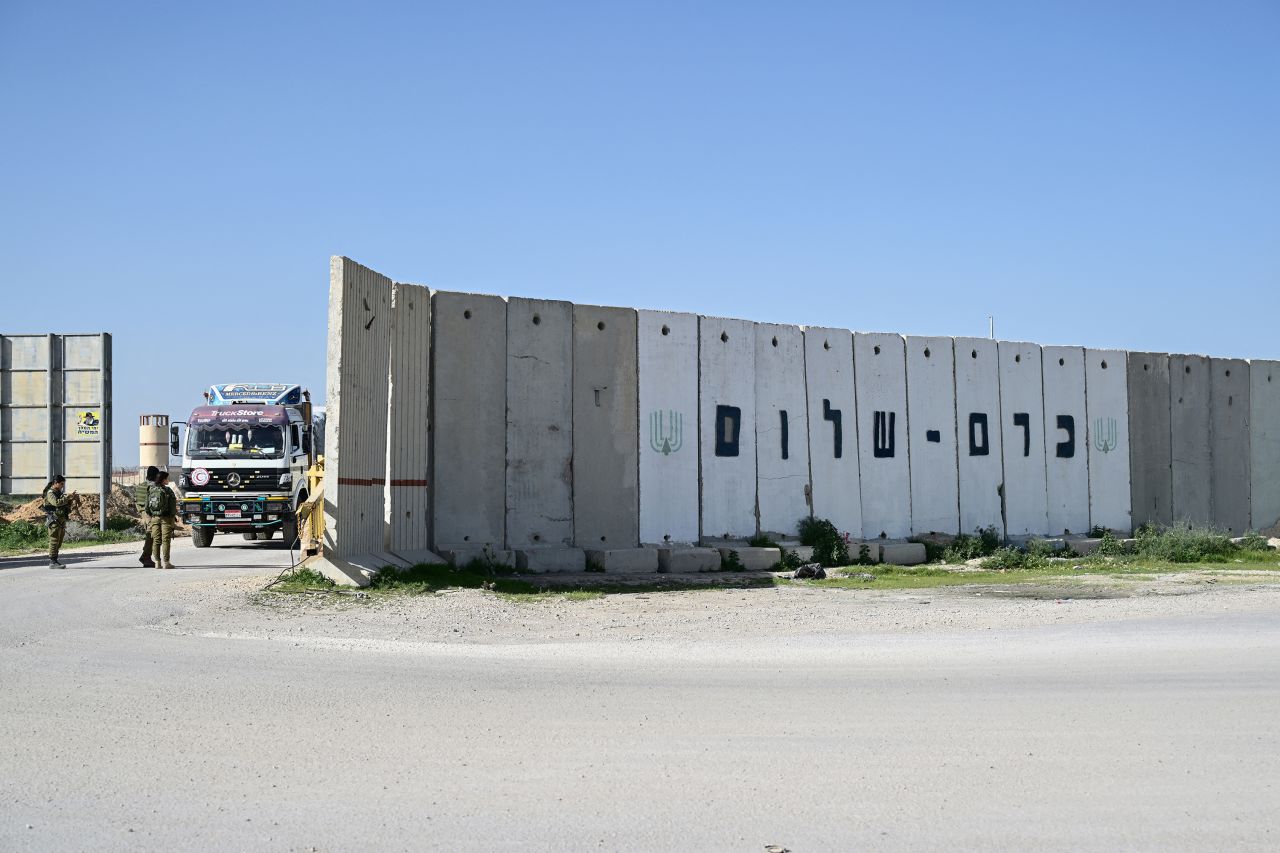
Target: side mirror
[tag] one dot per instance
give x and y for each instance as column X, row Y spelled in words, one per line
column 306, row 442
column 173, row 441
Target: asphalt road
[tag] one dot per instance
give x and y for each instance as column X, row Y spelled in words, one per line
column 116, row 734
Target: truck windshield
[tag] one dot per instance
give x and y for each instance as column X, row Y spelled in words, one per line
column 235, row 441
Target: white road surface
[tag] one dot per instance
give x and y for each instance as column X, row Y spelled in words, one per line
column 130, row 720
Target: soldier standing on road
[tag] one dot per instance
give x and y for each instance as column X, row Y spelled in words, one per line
column 145, row 559
column 57, row 507
column 162, row 506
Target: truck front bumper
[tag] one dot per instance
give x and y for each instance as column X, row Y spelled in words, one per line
column 241, row 512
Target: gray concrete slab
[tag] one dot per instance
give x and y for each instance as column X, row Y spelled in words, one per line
column 1107, row 412
column 727, row 434
column 1264, row 446
column 1191, row 467
column 606, row 428
column 667, row 345
column 1229, row 433
column 621, row 561
column 1023, row 429
column 685, row 560
column 408, row 495
column 469, row 449
column 551, row 559
column 978, row 435
column 884, row 444
column 1150, row 436
column 782, row 429
column 539, row 488
column 902, row 553
column 1065, row 428
column 931, row 407
column 753, row 559
column 463, row 557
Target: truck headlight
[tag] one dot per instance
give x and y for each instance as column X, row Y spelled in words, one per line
column 286, row 480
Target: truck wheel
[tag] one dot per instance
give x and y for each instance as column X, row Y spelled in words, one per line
column 289, row 531
column 202, row 537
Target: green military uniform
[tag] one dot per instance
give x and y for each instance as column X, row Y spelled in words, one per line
column 162, row 507
column 58, row 508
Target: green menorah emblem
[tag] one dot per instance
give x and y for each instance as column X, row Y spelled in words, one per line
column 1104, row 434
column 666, row 431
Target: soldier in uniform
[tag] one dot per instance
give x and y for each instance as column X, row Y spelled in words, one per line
column 162, row 506
column 145, row 559
column 57, row 507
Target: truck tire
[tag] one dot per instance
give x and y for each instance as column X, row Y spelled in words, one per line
column 289, row 530
column 202, row 537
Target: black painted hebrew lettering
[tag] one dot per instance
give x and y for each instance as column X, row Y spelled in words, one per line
column 728, row 427
column 978, row 419
column 1067, row 449
column 883, row 428
column 1023, row 419
column 833, row 415
column 786, row 450
column 933, row 435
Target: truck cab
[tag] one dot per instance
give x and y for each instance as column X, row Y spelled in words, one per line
column 244, row 461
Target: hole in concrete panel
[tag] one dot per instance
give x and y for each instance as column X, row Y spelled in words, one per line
column 883, row 535
column 1146, row 367
column 876, row 350
column 466, row 538
column 1229, row 400
column 927, row 353
column 826, row 344
column 537, row 321
column 603, row 538
column 466, row 315
column 724, row 337
column 1179, row 399
column 775, row 341
column 666, row 537
column 1228, row 372
column 1062, row 362
column 537, row 537
column 973, row 353
column 666, row 330
column 1187, row 368
column 600, row 325
column 1017, row 359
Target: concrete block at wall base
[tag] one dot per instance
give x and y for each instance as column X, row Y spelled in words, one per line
column 902, row 553
column 353, row 571
column 421, row 558
column 460, row 558
column 1083, row 545
column 874, row 550
column 386, row 558
column 542, row 560
column 804, row 552
column 754, row 559
column 688, row 560
column 624, row 561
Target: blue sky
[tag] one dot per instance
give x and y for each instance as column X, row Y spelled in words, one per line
column 1104, row 174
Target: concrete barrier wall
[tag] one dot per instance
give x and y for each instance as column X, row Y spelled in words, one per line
column 884, row 444
column 469, row 422
column 931, row 402
column 606, row 464
column 1229, row 435
column 833, row 427
column 782, row 428
column 472, row 421
column 1107, row 411
column 407, row 524
column 978, row 434
column 1191, row 468
column 667, row 344
column 539, row 503
column 1264, row 445
column 727, row 389
column 359, row 351
column 1066, row 457
column 1150, row 436
column 1022, row 429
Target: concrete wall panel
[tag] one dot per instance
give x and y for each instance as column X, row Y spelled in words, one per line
column 80, row 352
column 1107, row 410
column 668, row 364
column 931, row 408
column 24, row 352
column 1066, row 459
column 356, row 405
column 1229, row 431
column 407, row 525
column 469, row 437
column 884, row 446
column 978, row 434
column 782, row 428
column 1264, row 446
column 1150, row 450
column 833, row 427
column 539, row 423
column 1022, row 428
column 727, row 434
column 1189, row 438
column 606, row 487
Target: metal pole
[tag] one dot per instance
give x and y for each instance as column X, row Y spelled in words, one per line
column 991, row 326
column 104, row 431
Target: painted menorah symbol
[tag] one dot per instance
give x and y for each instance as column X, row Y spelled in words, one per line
column 1104, row 434
column 666, row 431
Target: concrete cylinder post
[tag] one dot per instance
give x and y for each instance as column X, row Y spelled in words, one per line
column 153, row 442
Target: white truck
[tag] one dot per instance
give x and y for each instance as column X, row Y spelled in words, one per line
column 245, row 461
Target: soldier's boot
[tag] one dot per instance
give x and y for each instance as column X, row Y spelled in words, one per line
column 54, row 564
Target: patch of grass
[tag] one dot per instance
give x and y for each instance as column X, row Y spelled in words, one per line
column 552, row 595
column 303, row 580
column 22, row 537
column 982, row 543
column 830, row 546
column 731, row 562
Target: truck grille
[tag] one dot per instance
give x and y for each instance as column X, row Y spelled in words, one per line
column 251, row 480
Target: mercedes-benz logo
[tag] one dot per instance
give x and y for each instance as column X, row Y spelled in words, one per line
column 233, row 480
